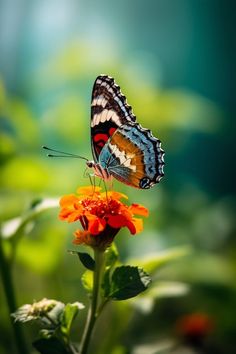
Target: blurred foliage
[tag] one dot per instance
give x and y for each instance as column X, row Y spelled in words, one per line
column 46, row 79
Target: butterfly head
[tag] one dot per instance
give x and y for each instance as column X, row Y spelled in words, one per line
column 99, row 171
column 90, row 164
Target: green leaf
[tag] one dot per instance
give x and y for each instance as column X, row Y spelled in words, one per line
column 68, row 315
column 50, row 345
column 111, row 256
column 127, row 282
column 13, row 228
column 155, row 261
column 56, row 313
column 87, row 280
column 106, row 283
column 86, row 260
column 47, row 333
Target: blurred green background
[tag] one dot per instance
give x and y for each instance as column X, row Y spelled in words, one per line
column 175, row 62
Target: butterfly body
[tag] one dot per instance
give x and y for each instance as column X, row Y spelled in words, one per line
column 99, row 171
column 121, row 147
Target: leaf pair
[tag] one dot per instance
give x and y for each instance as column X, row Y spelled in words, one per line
column 119, row 283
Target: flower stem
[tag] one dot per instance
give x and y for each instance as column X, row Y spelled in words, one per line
column 92, row 314
column 6, row 274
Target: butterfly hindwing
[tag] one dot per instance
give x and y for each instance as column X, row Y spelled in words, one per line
column 133, row 156
column 109, row 111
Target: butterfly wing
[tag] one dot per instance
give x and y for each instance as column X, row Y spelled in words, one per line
column 109, row 111
column 133, row 156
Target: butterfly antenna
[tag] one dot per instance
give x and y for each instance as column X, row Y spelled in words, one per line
column 63, row 154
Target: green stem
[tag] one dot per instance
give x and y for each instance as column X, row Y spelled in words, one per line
column 6, row 273
column 92, row 314
column 102, row 306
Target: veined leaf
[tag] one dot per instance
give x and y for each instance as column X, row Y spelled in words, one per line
column 127, row 282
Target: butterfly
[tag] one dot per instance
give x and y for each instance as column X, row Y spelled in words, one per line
column 121, row 147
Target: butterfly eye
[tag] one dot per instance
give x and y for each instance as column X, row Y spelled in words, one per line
column 90, row 164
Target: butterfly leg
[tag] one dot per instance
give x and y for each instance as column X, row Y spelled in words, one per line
column 105, row 187
column 100, row 182
column 110, row 184
column 91, row 177
column 93, row 181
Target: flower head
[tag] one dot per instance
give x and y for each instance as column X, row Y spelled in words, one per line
column 101, row 215
column 29, row 312
column 194, row 327
column 48, row 312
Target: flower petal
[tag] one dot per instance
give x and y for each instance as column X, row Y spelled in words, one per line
column 138, row 224
column 95, row 224
column 64, row 213
column 130, row 225
column 69, row 215
column 82, row 237
column 68, row 200
column 88, row 190
column 113, row 195
column 74, row 216
column 117, row 221
column 138, row 209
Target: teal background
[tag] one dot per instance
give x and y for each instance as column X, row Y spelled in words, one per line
column 175, row 62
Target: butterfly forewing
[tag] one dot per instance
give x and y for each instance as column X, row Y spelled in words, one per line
column 109, row 111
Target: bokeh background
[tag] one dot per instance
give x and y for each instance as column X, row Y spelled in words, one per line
column 175, row 62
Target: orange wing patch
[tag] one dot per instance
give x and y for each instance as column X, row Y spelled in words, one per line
column 130, row 156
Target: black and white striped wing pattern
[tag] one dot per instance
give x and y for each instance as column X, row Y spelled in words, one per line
column 109, row 111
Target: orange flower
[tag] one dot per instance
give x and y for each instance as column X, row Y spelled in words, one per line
column 194, row 327
column 101, row 215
